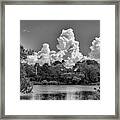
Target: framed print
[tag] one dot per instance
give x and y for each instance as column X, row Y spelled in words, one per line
column 59, row 59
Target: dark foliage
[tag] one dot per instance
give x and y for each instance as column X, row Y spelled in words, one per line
column 23, row 54
column 27, row 72
column 83, row 73
column 26, row 85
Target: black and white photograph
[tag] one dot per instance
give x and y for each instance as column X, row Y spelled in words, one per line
column 59, row 59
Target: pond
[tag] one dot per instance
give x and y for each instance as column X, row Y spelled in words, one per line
column 62, row 92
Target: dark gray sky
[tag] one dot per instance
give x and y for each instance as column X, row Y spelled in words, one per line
column 33, row 33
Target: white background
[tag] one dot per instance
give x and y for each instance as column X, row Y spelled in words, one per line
column 13, row 15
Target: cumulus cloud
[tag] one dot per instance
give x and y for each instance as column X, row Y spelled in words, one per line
column 45, row 49
column 66, row 39
column 43, row 56
column 70, row 47
column 69, row 51
column 95, row 49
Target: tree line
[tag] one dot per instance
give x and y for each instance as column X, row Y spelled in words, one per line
column 86, row 72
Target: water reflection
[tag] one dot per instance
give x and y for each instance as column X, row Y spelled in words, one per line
column 62, row 92
column 26, row 97
column 52, row 96
column 83, row 95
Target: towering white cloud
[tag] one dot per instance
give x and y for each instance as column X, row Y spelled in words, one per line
column 69, row 47
column 95, row 49
column 66, row 39
column 44, row 55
